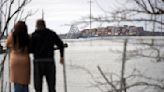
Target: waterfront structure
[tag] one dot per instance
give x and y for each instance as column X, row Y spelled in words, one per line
column 113, row 31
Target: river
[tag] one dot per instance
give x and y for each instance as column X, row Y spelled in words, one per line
column 83, row 56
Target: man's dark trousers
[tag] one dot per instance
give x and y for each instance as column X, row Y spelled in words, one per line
column 48, row 70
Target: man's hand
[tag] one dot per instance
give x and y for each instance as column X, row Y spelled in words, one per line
column 62, row 60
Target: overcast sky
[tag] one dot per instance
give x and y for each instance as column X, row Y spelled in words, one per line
column 61, row 12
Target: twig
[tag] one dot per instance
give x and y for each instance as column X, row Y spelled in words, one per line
column 106, row 79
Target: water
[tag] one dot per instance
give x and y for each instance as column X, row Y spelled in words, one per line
column 83, row 56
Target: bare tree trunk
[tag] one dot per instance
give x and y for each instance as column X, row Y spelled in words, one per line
column 0, row 16
column 122, row 82
column 2, row 72
column 106, row 79
column 2, row 79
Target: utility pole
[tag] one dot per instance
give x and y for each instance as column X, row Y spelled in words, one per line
column 42, row 14
column 90, row 21
column 154, row 24
column 90, row 14
column 90, row 18
column 161, row 21
column 145, row 25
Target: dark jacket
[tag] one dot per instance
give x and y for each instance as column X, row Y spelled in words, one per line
column 42, row 44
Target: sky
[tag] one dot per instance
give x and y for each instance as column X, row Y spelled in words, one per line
column 59, row 13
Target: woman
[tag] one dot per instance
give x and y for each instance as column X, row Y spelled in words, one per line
column 18, row 43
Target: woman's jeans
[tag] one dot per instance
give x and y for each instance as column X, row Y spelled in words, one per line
column 20, row 88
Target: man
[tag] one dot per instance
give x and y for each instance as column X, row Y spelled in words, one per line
column 42, row 46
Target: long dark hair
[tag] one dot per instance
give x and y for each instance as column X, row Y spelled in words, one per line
column 20, row 36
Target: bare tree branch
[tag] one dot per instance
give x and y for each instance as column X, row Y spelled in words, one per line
column 142, row 5
column 145, row 84
column 2, row 65
column 106, row 79
column 10, row 16
column 3, row 3
column 125, row 20
column 151, row 5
